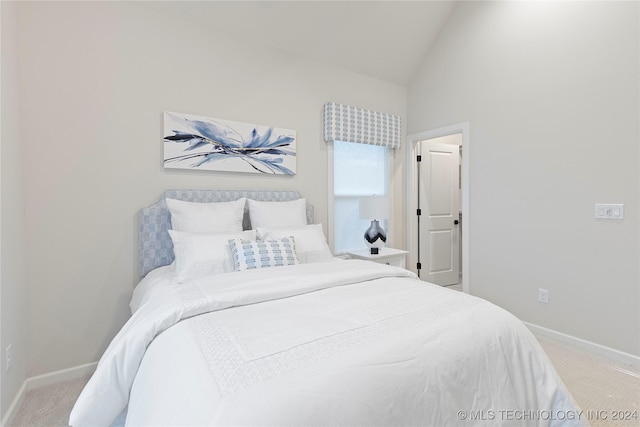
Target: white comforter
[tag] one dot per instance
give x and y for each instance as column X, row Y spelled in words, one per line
column 340, row 343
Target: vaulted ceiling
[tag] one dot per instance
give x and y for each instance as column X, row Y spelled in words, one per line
column 387, row 40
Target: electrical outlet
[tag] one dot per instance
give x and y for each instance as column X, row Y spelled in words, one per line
column 543, row 295
column 9, row 358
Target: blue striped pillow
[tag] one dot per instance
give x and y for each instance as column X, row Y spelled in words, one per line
column 250, row 254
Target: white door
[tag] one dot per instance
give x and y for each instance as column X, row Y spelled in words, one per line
column 438, row 203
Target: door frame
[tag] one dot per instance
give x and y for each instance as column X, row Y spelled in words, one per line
column 412, row 188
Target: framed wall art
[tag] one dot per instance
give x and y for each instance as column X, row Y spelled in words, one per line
column 200, row 143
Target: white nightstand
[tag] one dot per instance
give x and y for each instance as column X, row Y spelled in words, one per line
column 389, row 256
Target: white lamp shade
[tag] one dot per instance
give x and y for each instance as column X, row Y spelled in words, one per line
column 375, row 207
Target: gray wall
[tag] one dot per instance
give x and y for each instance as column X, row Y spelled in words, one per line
column 12, row 279
column 95, row 79
column 551, row 91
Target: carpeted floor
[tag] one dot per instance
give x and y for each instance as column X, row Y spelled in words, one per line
column 49, row 406
column 602, row 388
column 605, row 390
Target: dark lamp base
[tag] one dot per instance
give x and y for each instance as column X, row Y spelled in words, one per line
column 374, row 251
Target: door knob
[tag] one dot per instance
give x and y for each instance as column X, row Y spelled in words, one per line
column 456, row 222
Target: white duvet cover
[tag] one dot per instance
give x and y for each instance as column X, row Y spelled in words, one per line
column 339, row 343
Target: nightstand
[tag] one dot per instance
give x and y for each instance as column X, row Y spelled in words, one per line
column 389, row 256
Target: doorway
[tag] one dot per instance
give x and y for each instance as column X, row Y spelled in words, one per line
column 433, row 234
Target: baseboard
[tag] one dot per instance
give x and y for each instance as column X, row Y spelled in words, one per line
column 60, row 376
column 45, row 380
column 13, row 408
column 600, row 350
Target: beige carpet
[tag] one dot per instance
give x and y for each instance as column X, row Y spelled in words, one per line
column 605, row 390
column 49, row 406
column 601, row 388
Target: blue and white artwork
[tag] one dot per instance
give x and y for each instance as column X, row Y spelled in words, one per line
column 192, row 142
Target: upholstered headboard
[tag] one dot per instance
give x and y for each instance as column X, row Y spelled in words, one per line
column 154, row 243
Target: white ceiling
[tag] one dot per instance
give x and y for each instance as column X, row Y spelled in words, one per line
column 387, row 40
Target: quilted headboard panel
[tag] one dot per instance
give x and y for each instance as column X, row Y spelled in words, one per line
column 154, row 243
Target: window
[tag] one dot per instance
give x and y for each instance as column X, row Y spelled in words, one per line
column 360, row 167
column 358, row 170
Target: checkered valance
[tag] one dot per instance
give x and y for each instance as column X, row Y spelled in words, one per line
column 353, row 124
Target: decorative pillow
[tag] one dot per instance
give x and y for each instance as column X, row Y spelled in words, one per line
column 278, row 214
column 311, row 244
column 199, row 254
column 250, row 254
column 193, row 217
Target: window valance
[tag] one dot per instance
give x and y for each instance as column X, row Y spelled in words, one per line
column 353, row 124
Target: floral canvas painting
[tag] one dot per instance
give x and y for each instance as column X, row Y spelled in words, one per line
column 192, row 142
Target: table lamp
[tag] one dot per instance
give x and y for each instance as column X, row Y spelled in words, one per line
column 375, row 208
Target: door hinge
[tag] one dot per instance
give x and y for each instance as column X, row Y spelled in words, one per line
column 419, row 212
column 419, row 158
column 419, row 266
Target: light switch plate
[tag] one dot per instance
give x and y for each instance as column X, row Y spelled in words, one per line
column 609, row 211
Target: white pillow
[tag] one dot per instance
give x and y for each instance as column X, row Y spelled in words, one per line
column 311, row 244
column 193, row 217
column 278, row 214
column 250, row 254
column 203, row 254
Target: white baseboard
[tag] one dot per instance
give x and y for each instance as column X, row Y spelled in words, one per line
column 13, row 408
column 60, row 376
column 591, row 347
column 44, row 380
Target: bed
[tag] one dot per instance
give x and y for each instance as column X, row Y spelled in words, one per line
column 276, row 331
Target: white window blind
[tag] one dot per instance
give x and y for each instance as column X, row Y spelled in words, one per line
column 359, row 170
